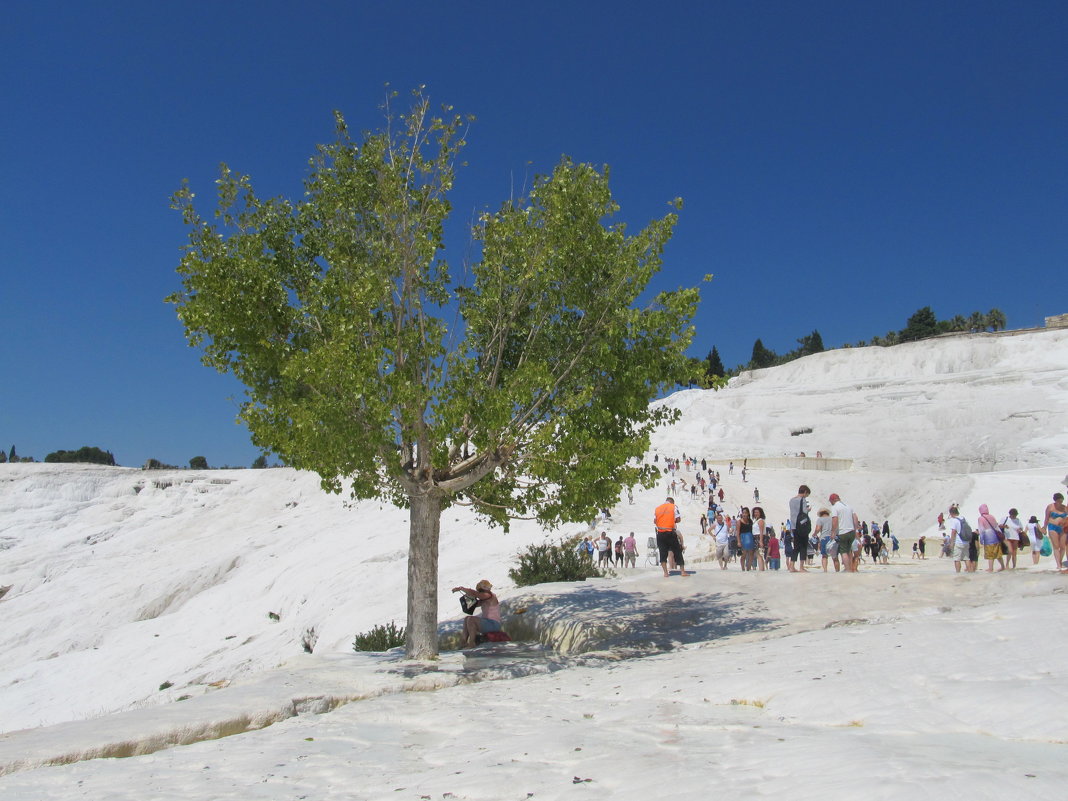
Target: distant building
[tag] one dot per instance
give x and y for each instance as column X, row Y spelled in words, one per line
column 1057, row 321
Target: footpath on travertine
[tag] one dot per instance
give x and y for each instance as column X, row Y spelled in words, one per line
column 637, row 612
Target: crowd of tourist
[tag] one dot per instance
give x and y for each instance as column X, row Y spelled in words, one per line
column 1001, row 542
column 831, row 532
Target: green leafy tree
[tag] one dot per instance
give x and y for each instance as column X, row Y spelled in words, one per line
column 337, row 313
column 12, row 456
column 3, row 457
column 695, row 370
column 198, row 463
column 260, row 462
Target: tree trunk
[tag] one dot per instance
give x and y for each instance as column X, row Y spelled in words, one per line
column 421, row 636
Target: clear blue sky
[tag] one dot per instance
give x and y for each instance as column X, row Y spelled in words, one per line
column 842, row 164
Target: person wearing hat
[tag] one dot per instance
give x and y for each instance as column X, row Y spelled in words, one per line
column 489, row 620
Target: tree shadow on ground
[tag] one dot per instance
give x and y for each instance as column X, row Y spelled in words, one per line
column 594, row 618
column 591, row 624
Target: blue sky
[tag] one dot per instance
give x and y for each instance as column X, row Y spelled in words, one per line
column 842, row 165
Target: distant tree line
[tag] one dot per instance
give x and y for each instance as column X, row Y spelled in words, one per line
column 13, row 457
column 201, row 463
column 921, row 325
column 716, row 374
column 93, row 455
column 84, row 455
column 924, row 324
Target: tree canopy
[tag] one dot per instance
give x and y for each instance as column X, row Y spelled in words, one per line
column 714, row 368
column 85, row 455
column 762, row 356
column 520, row 388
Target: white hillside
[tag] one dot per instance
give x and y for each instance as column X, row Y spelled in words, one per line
column 954, row 404
column 131, row 591
column 129, row 579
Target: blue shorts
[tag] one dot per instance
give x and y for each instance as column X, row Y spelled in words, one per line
column 485, row 624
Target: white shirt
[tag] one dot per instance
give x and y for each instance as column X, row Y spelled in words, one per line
column 722, row 534
column 953, row 529
column 844, row 515
column 1013, row 527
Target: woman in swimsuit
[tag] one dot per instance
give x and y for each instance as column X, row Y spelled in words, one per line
column 759, row 536
column 490, row 620
column 746, row 542
column 1056, row 514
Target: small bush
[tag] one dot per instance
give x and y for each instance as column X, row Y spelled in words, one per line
column 380, row 638
column 549, row 562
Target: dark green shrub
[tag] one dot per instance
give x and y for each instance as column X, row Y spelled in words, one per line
column 553, row 562
column 380, row 638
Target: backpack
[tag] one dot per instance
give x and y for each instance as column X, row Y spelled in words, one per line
column 966, row 533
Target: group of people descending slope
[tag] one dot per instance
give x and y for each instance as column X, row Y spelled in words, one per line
column 836, row 533
column 624, row 551
column 1000, row 542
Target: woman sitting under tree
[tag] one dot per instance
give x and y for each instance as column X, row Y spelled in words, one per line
column 489, row 620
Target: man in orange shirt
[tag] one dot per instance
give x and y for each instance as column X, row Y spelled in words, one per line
column 665, row 519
